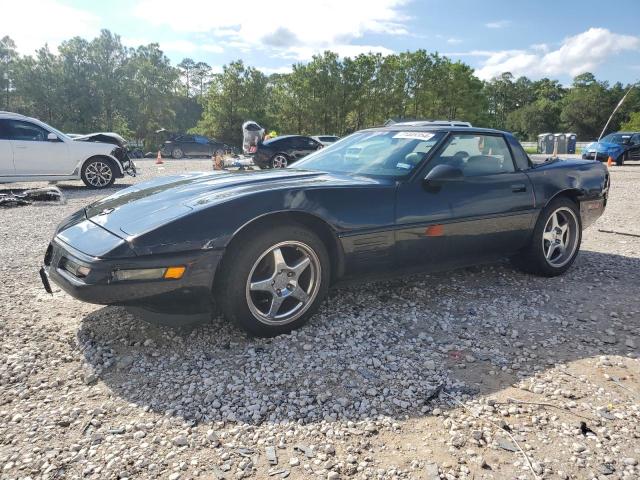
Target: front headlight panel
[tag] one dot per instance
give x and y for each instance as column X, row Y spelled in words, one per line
column 140, row 274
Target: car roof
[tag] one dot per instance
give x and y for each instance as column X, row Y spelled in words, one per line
column 4, row 114
column 433, row 128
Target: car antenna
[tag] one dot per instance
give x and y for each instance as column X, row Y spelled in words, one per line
column 615, row 110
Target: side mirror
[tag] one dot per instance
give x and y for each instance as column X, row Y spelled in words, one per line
column 52, row 137
column 442, row 173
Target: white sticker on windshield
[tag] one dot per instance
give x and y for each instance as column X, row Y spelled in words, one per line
column 414, row 135
column 406, row 166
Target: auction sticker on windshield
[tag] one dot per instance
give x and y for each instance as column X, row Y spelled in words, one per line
column 414, row 135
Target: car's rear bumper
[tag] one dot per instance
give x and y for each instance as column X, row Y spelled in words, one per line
column 189, row 295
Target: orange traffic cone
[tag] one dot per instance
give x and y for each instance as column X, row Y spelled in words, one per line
column 159, row 159
column 610, row 161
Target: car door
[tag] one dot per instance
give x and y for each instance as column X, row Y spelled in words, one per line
column 34, row 154
column 309, row 145
column 202, row 147
column 487, row 211
column 633, row 150
column 6, row 151
column 188, row 145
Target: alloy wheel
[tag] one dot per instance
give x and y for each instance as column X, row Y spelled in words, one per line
column 283, row 283
column 279, row 161
column 560, row 237
column 98, row 174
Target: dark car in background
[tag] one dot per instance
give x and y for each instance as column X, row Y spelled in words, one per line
column 284, row 150
column 620, row 146
column 187, row 145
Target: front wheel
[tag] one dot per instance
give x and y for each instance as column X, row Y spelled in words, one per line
column 98, row 173
column 273, row 280
column 177, row 153
column 555, row 242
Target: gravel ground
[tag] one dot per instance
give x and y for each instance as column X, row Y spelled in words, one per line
column 478, row 373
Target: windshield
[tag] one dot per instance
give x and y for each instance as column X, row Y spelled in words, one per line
column 377, row 153
column 618, row 138
column 57, row 132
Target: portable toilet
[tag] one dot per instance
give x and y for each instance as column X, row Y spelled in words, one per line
column 546, row 142
column 561, row 140
column 540, row 144
column 572, row 140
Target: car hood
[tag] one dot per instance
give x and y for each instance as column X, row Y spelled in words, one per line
column 141, row 208
column 603, row 147
column 102, row 137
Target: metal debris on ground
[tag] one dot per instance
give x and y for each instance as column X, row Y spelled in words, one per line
column 18, row 198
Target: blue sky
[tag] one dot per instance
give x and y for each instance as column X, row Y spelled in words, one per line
column 558, row 39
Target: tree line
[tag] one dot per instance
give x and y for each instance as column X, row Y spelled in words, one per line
column 102, row 85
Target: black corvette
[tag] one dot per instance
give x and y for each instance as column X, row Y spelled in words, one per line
column 266, row 245
column 282, row 151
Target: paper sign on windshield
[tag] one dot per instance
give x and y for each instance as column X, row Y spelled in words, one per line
column 414, row 135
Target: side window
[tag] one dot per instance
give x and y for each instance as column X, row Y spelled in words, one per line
column 4, row 130
column 519, row 155
column 26, row 131
column 476, row 155
column 635, row 140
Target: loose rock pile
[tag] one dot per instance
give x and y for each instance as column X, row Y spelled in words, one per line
column 479, row 373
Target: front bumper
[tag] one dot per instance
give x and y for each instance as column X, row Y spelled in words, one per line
column 189, row 295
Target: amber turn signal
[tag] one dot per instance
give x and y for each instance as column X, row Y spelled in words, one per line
column 174, row 273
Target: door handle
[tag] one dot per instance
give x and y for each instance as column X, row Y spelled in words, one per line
column 518, row 187
column 20, row 146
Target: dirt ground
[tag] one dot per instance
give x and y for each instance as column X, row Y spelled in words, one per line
column 483, row 372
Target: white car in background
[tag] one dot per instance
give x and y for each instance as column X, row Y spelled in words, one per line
column 32, row 151
column 326, row 139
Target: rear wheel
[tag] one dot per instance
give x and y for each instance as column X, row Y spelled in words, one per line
column 555, row 242
column 98, row 173
column 273, row 280
column 177, row 153
column 279, row 160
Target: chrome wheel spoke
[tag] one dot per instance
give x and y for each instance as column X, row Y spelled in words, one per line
column 274, row 308
column 301, row 266
column 262, row 285
column 552, row 248
column 549, row 236
column 278, row 260
column 300, row 294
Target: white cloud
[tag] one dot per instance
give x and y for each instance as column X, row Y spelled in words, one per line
column 293, row 28
column 32, row 23
column 270, row 70
column 453, row 41
column 173, row 46
column 578, row 54
column 212, row 48
column 498, row 24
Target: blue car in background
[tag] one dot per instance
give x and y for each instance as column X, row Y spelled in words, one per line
column 620, row 146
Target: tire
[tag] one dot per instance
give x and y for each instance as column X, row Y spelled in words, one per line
column 177, row 153
column 279, row 160
column 539, row 257
column 98, row 173
column 620, row 160
column 263, row 299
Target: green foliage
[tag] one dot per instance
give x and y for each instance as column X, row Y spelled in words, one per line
column 633, row 124
column 100, row 85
